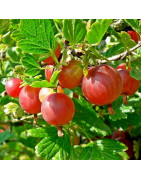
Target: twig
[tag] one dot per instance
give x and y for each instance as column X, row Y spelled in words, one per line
column 116, row 57
column 60, row 131
column 19, row 122
column 122, row 55
column 35, row 118
column 58, row 28
column 4, row 93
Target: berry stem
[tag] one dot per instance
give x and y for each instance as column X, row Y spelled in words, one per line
column 54, row 57
column 125, row 99
column 4, row 93
column 110, row 109
column 35, row 118
column 60, row 131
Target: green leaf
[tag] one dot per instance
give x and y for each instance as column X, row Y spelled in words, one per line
column 4, row 26
column 97, row 53
column 87, row 119
column 54, row 78
column 38, row 133
column 74, row 30
column 132, row 119
column 51, row 144
column 135, row 131
column 139, row 51
column 14, row 24
column 17, row 35
column 105, row 149
column 31, row 80
column 114, row 50
column 44, row 56
column 60, row 21
column 98, row 29
column 136, row 148
column 112, row 31
column 6, row 39
column 126, row 40
column 39, row 36
column 120, row 110
column 134, row 23
column 59, row 24
column 6, row 99
column 68, row 92
column 43, row 83
column 136, row 69
column 7, row 68
column 2, row 87
column 33, row 67
column 64, row 151
column 77, row 90
column 13, row 55
column 4, row 136
column 125, row 116
column 29, row 142
column 75, row 152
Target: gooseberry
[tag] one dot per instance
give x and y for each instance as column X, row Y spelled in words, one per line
column 71, row 75
column 45, row 92
column 57, row 109
column 13, row 87
column 134, row 35
column 102, row 86
column 29, row 99
column 130, row 85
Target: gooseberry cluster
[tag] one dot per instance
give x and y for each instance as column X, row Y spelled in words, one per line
column 102, row 86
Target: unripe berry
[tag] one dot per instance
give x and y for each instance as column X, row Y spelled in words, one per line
column 45, row 92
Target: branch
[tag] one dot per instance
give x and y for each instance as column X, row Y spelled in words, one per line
column 122, row 55
column 21, row 121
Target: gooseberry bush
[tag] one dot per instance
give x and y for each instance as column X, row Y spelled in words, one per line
column 70, row 89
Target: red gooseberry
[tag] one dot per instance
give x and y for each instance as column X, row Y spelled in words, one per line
column 29, row 99
column 58, row 109
column 71, row 75
column 102, row 86
column 13, row 87
column 130, row 85
column 123, row 66
column 134, row 35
